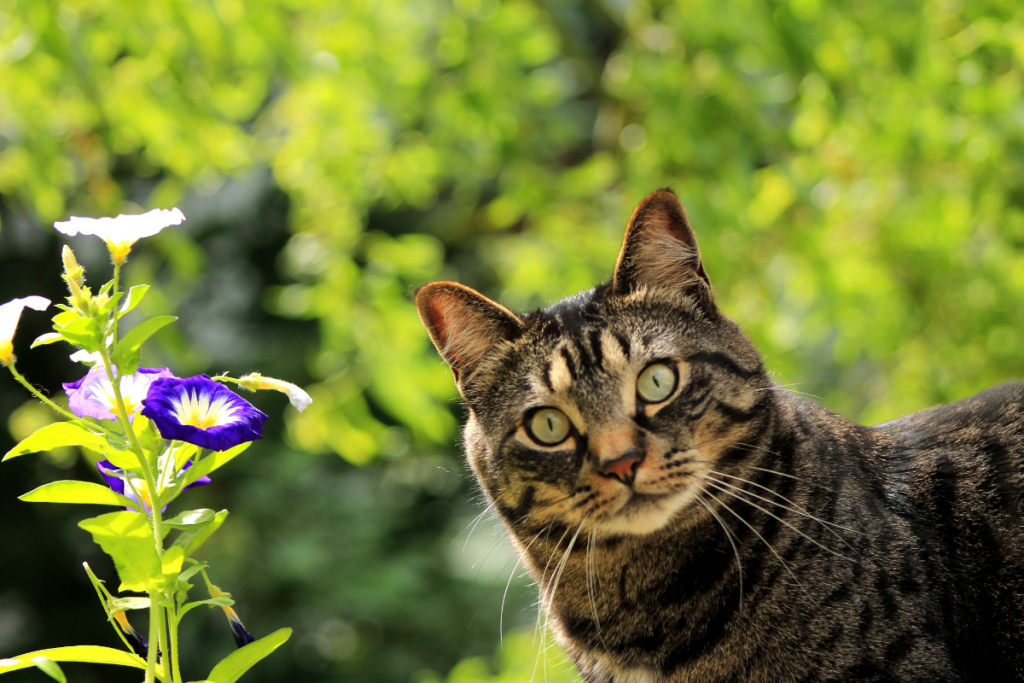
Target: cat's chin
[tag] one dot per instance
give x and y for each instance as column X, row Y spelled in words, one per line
column 645, row 513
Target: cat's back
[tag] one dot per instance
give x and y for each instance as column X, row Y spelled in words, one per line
column 973, row 447
column 956, row 472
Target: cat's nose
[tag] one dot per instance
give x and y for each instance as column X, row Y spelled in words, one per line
column 622, row 468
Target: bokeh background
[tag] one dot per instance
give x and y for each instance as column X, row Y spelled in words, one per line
column 854, row 171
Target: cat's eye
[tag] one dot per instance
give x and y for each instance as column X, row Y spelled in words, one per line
column 656, row 383
column 549, row 426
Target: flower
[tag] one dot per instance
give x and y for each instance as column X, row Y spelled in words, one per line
column 117, row 480
column 10, row 313
column 242, row 637
column 199, row 411
column 122, row 232
column 138, row 642
column 298, row 397
column 86, row 358
column 93, row 395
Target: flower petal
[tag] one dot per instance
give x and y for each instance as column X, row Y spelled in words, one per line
column 199, row 411
column 124, row 227
column 10, row 314
column 115, row 483
column 296, row 395
column 93, row 395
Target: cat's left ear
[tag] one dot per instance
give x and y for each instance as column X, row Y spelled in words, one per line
column 660, row 251
column 464, row 324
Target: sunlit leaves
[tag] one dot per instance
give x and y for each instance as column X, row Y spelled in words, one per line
column 128, row 538
column 71, row 491
column 57, row 435
column 238, row 662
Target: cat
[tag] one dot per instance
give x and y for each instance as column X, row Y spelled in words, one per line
column 687, row 519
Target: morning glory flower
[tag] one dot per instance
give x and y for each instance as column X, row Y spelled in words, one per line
column 138, row 642
column 116, row 479
column 297, row 396
column 122, row 232
column 93, row 395
column 10, row 313
column 241, row 636
column 199, row 411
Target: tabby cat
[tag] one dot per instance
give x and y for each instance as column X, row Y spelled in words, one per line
column 687, row 519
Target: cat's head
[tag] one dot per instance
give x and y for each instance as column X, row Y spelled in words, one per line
column 604, row 411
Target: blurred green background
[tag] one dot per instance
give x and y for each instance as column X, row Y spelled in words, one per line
column 854, row 171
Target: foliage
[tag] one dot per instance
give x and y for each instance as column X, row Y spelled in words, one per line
column 853, row 171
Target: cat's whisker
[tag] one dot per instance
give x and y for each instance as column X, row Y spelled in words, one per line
column 504, row 596
column 794, row 507
column 721, row 487
column 728, row 535
column 476, row 520
column 758, row 534
column 785, row 387
column 753, row 467
column 542, row 614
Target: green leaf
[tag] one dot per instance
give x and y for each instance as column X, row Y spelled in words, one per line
column 214, row 461
column 56, row 435
column 192, row 538
column 47, row 338
column 212, row 602
column 70, row 491
column 122, row 459
column 65, row 318
column 90, row 654
column 84, row 332
column 192, row 571
column 171, row 567
column 190, row 518
column 126, row 354
column 241, row 660
column 50, row 668
column 128, row 539
column 124, row 604
column 135, row 295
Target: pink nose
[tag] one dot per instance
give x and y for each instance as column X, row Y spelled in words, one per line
column 623, row 468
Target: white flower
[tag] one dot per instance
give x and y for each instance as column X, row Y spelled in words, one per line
column 122, row 232
column 84, row 356
column 298, row 397
column 10, row 313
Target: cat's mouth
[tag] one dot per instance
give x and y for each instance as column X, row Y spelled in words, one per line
column 639, row 502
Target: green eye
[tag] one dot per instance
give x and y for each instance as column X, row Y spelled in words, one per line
column 656, row 383
column 549, row 426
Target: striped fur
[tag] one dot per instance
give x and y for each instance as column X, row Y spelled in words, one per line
column 763, row 537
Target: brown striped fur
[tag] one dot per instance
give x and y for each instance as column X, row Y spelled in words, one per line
column 733, row 531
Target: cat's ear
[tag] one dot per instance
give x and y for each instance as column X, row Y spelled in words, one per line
column 464, row 324
column 660, row 250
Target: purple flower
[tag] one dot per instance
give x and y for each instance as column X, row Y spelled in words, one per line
column 93, row 395
column 115, row 478
column 241, row 636
column 199, row 411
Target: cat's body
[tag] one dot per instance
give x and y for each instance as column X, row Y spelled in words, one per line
column 689, row 520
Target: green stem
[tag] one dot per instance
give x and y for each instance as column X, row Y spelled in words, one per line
column 117, row 315
column 172, row 622
column 161, row 612
column 154, row 638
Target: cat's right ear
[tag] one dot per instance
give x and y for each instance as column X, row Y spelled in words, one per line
column 464, row 324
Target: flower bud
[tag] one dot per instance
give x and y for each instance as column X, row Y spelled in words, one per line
column 72, row 270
